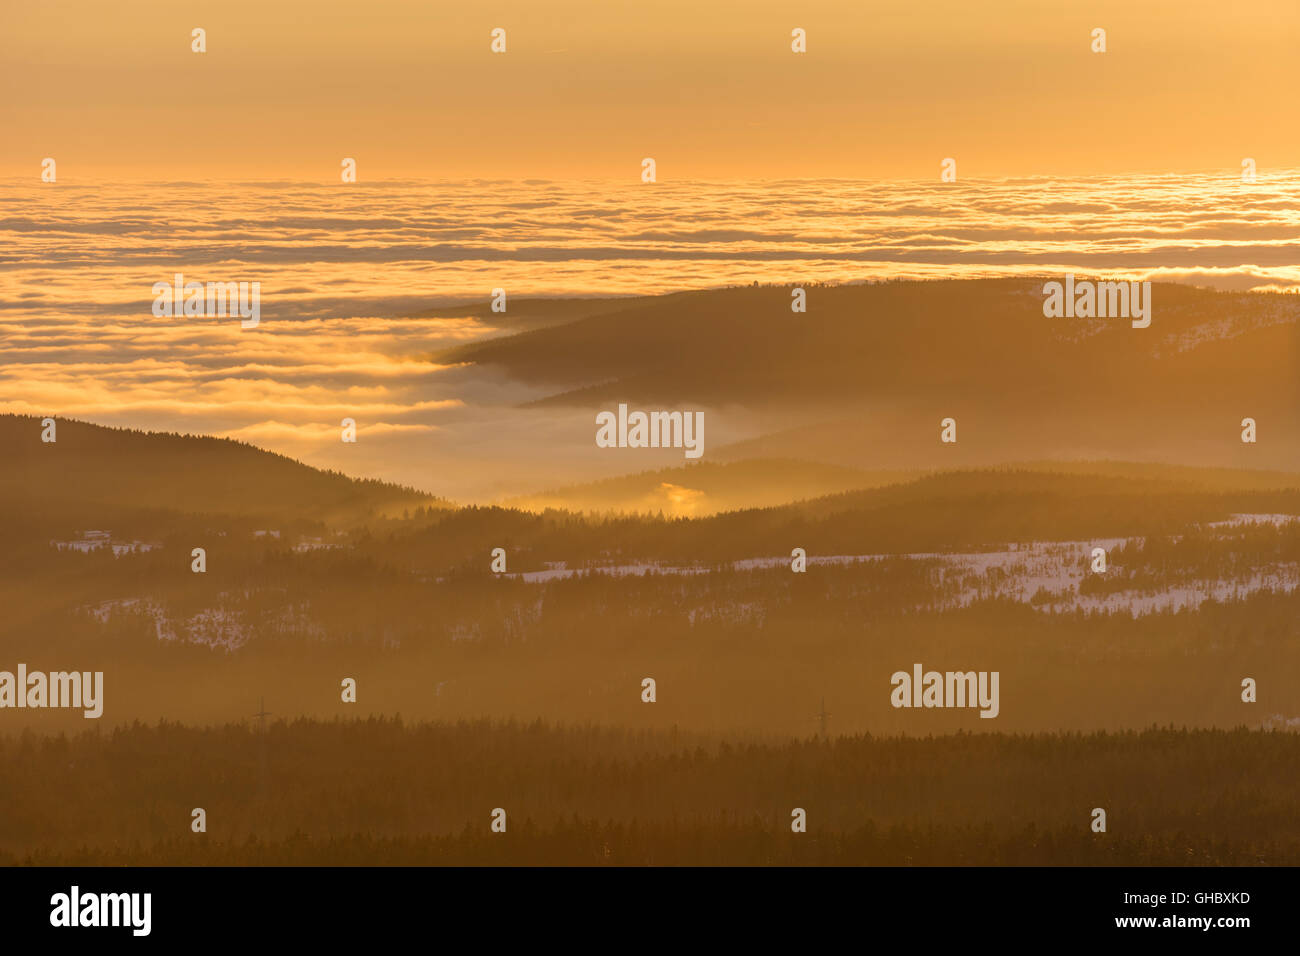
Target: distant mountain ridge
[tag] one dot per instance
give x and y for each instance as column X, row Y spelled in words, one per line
column 887, row 341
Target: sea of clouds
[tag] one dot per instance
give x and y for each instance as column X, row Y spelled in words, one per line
column 344, row 268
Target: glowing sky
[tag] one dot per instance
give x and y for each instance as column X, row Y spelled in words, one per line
column 587, row 88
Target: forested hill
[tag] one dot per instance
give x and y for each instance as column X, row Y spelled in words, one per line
column 903, row 341
column 969, row 509
column 94, row 475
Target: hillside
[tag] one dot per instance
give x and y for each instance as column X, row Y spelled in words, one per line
column 985, row 568
column 865, row 376
column 886, row 341
column 600, row 796
column 94, row 476
column 955, row 510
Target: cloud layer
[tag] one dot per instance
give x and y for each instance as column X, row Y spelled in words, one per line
column 339, row 267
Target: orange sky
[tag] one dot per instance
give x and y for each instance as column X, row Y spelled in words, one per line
column 588, row 87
